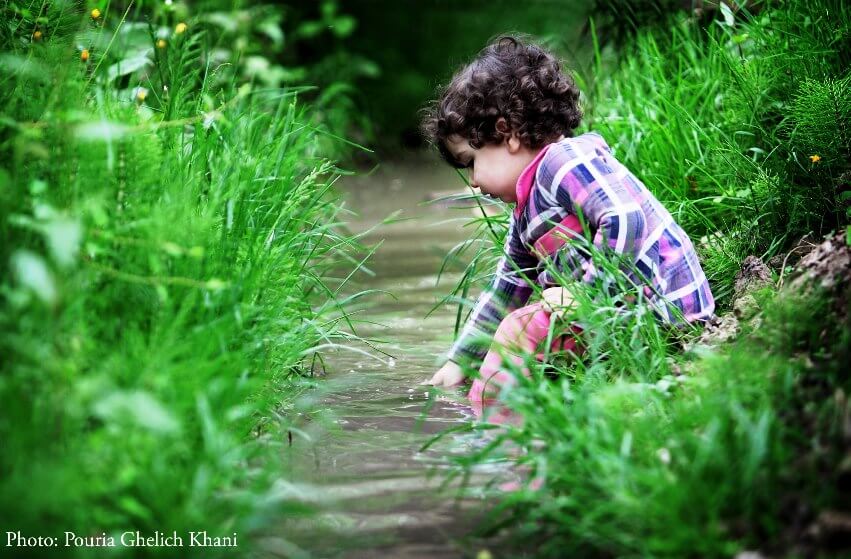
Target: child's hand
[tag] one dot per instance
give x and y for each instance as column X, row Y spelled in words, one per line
column 449, row 375
column 557, row 300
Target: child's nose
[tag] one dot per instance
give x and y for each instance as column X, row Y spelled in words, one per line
column 472, row 178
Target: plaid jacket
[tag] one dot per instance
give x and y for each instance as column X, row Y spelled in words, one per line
column 570, row 182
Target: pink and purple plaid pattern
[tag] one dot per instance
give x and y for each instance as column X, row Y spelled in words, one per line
column 578, row 180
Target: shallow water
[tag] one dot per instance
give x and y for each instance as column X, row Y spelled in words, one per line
column 358, row 459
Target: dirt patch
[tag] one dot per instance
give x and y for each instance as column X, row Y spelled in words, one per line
column 825, row 265
column 805, row 245
column 753, row 276
column 828, row 266
column 825, row 270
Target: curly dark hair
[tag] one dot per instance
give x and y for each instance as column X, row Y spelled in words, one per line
column 522, row 83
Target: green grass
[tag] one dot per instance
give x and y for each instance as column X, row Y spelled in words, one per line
column 164, row 279
column 649, row 451
column 641, row 462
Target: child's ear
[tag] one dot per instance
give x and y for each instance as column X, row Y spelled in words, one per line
column 514, row 144
column 512, row 139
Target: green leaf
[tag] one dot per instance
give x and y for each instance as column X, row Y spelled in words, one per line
column 328, row 9
column 256, row 65
column 32, row 273
column 172, row 249
column 272, row 29
column 137, row 407
column 25, row 67
column 365, row 67
column 225, row 20
column 134, row 508
column 63, row 236
column 136, row 61
column 38, row 187
column 343, row 26
column 729, row 19
column 310, row 29
column 215, row 284
column 104, row 131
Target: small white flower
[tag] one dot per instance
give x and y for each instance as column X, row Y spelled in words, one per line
column 664, row 455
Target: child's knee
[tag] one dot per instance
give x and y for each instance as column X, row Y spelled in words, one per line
column 514, row 327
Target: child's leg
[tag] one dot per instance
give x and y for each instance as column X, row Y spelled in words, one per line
column 519, row 333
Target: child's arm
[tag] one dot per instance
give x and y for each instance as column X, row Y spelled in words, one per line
column 509, row 290
column 556, row 300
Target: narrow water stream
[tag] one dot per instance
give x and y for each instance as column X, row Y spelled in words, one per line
column 378, row 495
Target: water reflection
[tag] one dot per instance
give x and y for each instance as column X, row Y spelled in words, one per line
column 359, row 447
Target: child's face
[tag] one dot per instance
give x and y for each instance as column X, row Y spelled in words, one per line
column 493, row 168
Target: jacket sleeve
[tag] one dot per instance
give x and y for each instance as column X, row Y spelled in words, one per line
column 508, row 291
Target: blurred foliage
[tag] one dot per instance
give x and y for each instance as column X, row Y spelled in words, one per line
column 297, row 43
column 618, row 21
column 419, row 45
column 167, row 220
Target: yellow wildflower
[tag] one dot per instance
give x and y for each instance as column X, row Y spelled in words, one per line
column 815, row 158
column 95, row 13
column 180, row 28
column 84, row 56
column 37, row 35
column 161, row 44
column 141, row 94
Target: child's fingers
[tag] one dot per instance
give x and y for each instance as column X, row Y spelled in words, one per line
column 435, row 380
column 555, row 300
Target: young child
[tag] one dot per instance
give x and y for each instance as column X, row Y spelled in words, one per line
column 508, row 118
